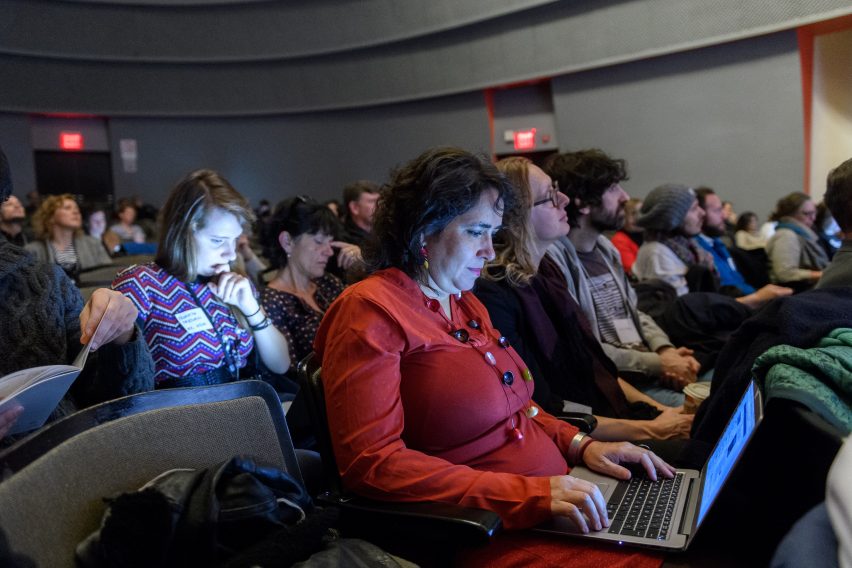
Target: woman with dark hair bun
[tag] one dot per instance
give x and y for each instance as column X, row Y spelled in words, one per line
column 426, row 400
column 301, row 233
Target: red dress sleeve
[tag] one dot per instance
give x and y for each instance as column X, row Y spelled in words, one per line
column 361, row 344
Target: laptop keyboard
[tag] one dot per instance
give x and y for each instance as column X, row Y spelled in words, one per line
column 643, row 507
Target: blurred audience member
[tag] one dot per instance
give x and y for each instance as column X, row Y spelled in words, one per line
column 335, row 207
column 838, row 199
column 796, row 258
column 33, row 202
column 247, row 262
column 747, row 236
column 680, row 252
column 827, row 230
column 730, row 216
column 95, row 223
column 731, row 280
column 12, row 221
column 126, row 230
column 671, row 217
column 359, row 204
column 60, row 238
column 629, row 238
column 263, row 211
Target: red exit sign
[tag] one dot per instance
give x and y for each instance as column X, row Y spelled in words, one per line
column 70, row 140
column 525, row 139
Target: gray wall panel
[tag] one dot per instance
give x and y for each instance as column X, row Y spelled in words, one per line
column 314, row 154
column 15, row 141
column 538, row 42
column 729, row 117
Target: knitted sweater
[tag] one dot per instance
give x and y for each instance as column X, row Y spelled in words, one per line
column 39, row 325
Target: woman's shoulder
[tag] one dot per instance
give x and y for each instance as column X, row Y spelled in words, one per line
column 390, row 291
column 491, row 294
column 86, row 241
column 649, row 249
column 387, row 281
column 495, row 283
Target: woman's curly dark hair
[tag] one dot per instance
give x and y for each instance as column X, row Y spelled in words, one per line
column 584, row 176
column 422, row 198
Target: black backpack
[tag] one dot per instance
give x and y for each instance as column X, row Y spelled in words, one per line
column 209, row 517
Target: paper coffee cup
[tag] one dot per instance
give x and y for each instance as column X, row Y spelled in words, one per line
column 694, row 395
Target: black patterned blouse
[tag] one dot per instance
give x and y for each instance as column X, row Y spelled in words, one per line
column 295, row 318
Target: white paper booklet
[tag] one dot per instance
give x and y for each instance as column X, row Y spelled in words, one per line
column 39, row 390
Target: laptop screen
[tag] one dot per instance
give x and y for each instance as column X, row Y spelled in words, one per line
column 728, row 449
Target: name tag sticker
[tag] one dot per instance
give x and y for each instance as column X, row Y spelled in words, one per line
column 626, row 331
column 194, row 320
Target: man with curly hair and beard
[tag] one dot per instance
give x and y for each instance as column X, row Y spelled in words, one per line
column 597, row 280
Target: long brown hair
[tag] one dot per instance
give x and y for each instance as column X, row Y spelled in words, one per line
column 184, row 213
column 517, row 238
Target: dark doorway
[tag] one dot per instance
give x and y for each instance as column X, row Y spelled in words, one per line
column 86, row 175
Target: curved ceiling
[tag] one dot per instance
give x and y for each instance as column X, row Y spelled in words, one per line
column 237, row 58
column 181, row 31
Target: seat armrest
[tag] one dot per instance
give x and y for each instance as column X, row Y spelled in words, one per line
column 431, row 521
column 585, row 422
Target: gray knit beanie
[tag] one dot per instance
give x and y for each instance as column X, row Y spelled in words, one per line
column 665, row 208
column 5, row 178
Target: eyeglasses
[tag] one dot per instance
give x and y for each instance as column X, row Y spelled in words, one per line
column 552, row 196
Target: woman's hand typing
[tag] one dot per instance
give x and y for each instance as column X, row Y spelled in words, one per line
column 605, row 457
column 579, row 500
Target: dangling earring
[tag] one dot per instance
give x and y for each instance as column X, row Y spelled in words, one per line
column 425, row 254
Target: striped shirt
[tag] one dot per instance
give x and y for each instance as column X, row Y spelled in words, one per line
column 609, row 303
column 67, row 258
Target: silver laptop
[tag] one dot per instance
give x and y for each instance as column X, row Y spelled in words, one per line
column 666, row 514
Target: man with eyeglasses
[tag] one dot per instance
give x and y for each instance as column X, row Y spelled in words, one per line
column 597, row 280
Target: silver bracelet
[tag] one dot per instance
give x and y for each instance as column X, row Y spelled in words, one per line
column 574, row 448
column 265, row 322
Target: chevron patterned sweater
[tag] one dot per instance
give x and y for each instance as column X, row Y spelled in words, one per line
column 161, row 299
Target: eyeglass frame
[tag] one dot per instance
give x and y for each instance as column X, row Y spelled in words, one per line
column 553, row 197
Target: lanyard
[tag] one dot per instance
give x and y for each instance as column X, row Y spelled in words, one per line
column 227, row 344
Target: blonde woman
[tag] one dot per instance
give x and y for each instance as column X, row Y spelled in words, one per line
column 58, row 226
